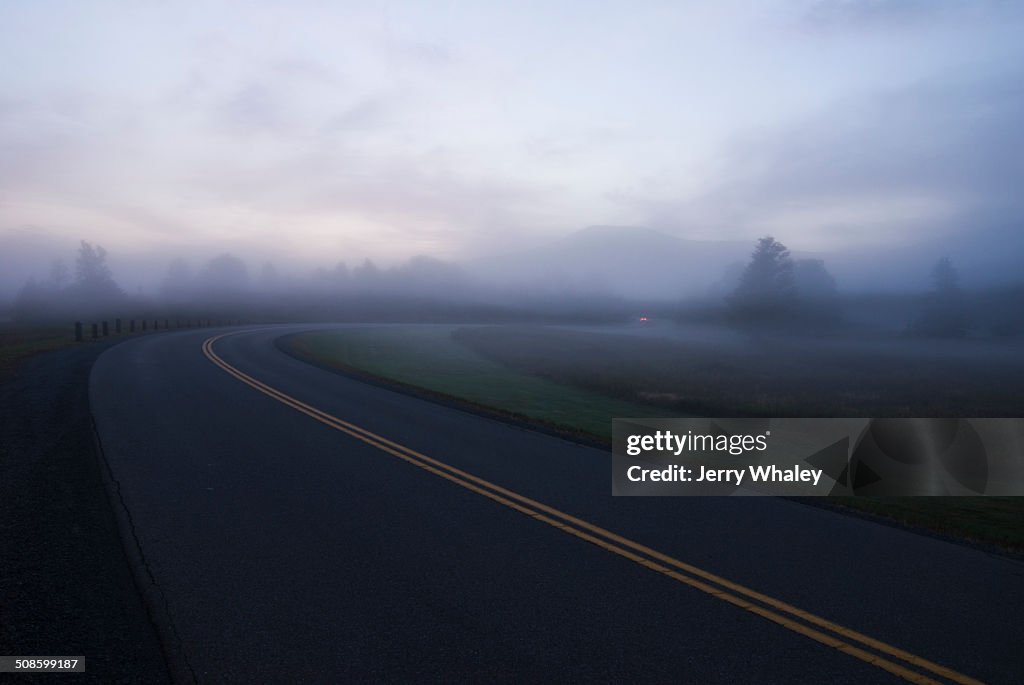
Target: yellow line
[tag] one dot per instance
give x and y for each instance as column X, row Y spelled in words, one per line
column 625, row 548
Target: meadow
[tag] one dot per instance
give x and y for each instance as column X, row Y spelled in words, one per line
column 428, row 357
column 576, row 379
column 734, row 374
column 20, row 341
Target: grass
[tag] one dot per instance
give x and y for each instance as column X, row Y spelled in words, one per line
column 19, row 342
column 428, row 357
column 770, row 377
column 580, row 380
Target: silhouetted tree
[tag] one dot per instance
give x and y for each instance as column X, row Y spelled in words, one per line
column 31, row 301
column 92, row 275
column 178, row 282
column 945, row 279
column 366, row 275
column 817, row 292
column 428, row 276
column 225, row 274
column 331, row 280
column 813, row 281
column 60, row 274
column 270, row 280
column 340, row 274
column 945, row 313
column 767, row 288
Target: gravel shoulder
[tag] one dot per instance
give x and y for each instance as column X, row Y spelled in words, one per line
column 65, row 580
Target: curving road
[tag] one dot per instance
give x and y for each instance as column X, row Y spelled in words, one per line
column 295, row 525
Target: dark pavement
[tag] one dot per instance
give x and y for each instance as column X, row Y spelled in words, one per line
column 286, row 551
column 66, row 587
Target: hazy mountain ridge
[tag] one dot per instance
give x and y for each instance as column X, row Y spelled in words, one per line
column 629, row 261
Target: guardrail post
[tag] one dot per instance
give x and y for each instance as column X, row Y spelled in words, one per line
column 144, row 322
column 78, row 331
column 95, row 331
column 156, row 324
column 167, row 324
column 131, row 326
column 117, row 326
column 106, row 330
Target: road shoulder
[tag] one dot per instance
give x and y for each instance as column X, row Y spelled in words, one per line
column 67, row 584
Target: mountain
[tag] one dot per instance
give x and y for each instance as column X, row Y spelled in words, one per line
column 627, row 261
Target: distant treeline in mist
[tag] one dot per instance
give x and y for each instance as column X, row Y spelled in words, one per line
column 775, row 291
column 771, row 291
column 421, row 289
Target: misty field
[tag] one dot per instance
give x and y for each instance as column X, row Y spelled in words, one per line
column 736, row 375
column 582, row 378
column 18, row 342
column 427, row 357
column 579, row 379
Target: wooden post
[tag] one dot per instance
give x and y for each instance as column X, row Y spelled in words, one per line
column 78, row 331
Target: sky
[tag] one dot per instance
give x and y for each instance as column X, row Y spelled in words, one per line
column 310, row 132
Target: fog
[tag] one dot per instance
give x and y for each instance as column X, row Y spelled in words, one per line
column 334, row 161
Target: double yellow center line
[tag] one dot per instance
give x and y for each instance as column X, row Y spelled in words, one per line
column 884, row 656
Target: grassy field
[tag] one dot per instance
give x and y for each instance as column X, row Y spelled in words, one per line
column 580, row 380
column 772, row 377
column 427, row 357
column 18, row 342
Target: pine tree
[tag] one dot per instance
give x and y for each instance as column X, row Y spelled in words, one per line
column 767, row 288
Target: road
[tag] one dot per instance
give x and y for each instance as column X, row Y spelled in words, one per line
column 296, row 525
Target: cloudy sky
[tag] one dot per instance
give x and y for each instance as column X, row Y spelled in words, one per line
column 320, row 131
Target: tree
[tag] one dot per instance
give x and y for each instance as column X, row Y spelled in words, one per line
column 366, row 276
column 225, row 274
column 30, row 302
column 945, row 279
column 767, row 288
column 945, row 314
column 331, row 279
column 426, row 275
column 813, row 281
column 178, row 281
column 60, row 274
column 270, row 279
column 92, row 275
column 817, row 292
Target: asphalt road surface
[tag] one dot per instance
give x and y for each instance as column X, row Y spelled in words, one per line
column 296, row 525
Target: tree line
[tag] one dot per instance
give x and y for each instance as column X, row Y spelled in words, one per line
column 774, row 290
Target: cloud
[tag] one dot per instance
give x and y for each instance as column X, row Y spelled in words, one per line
column 368, row 113
column 831, row 15
column 321, row 126
column 253, row 107
column 883, row 168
